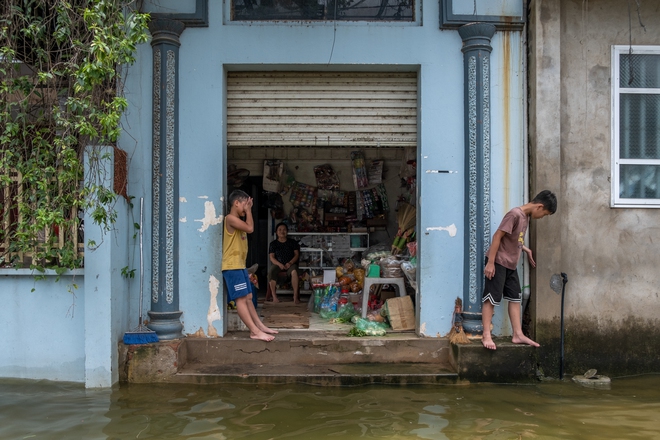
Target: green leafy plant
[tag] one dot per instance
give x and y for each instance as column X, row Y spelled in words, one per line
column 127, row 273
column 60, row 96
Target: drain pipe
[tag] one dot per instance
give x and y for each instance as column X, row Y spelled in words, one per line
column 527, row 289
column 564, row 280
column 557, row 283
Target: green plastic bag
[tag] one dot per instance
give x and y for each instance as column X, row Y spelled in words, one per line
column 371, row 328
column 345, row 313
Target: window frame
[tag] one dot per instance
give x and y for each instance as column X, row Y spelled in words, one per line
column 227, row 20
column 615, row 200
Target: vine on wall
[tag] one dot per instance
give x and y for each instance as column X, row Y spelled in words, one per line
column 60, row 93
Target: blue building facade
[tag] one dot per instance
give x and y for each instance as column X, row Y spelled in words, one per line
column 468, row 141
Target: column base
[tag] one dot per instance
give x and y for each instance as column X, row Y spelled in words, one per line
column 472, row 323
column 167, row 325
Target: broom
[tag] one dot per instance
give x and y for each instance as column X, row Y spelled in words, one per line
column 141, row 334
column 406, row 218
column 456, row 334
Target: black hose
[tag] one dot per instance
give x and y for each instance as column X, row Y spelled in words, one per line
column 564, row 279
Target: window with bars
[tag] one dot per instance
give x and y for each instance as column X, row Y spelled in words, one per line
column 340, row 10
column 14, row 221
column 636, row 126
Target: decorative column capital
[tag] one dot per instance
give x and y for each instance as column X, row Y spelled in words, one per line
column 476, row 36
column 166, row 31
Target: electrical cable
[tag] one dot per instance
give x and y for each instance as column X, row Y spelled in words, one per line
column 334, row 32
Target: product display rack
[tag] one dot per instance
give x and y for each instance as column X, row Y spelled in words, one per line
column 324, row 250
column 321, row 251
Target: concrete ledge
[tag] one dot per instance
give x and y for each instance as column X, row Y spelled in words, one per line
column 8, row 271
column 318, row 375
column 295, row 357
column 509, row 363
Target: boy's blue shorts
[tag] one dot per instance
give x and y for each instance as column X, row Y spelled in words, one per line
column 238, row 283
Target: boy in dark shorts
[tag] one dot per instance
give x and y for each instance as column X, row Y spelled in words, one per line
column 502, row 261
column 234, row 254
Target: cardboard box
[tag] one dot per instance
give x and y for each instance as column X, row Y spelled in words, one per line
column 400, row 313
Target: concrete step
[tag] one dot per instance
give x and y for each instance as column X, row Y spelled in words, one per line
column 300, row 347
column 318, row 358
column 321, row 375
column 325, row 358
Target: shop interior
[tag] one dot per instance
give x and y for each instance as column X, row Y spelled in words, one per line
column 353, row 213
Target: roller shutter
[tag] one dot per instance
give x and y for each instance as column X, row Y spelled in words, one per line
column 321, row 109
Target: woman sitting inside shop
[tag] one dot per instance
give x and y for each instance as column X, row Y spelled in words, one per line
column 284, row 253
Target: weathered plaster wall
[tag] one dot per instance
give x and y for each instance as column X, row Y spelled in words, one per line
column 609, row 254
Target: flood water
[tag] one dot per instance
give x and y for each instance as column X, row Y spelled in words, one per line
column 547, row 410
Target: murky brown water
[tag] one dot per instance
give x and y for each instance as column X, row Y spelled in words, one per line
column 38, row 410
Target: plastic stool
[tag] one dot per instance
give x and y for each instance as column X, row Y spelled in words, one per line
column 369, row 281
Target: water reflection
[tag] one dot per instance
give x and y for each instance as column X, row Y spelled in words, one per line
column 31, row 409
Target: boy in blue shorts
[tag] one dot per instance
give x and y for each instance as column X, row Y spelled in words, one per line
column 502, row 261
column 234, row 254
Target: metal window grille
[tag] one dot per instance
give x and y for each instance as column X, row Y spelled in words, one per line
column 636, row 126
column 10, row 217
column 323, row 10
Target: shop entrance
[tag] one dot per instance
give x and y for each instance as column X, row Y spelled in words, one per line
column 332, row 155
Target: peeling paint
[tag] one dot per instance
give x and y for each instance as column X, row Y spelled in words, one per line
column 422, row 329
column 183, row 220
column 214, row 312
column 182, row 200
column 451, row 229
column 202, row 197
column 199, row 333
column 209, row 217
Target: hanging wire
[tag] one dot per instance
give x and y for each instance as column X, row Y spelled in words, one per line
column 639, row 15
column 630, row 63
column 639, row 18
column 334, row 32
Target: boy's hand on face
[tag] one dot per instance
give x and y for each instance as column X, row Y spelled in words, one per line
column 248, row 203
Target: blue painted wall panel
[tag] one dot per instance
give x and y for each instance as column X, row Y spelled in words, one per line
column 44, row 330
column 207, row 53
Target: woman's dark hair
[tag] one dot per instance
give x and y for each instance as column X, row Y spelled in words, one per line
column 282, row 224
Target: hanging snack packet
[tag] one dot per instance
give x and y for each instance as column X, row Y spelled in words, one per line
column 360, row 178
column 376, row 172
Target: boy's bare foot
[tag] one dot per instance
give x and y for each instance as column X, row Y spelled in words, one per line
column 276, row 300
column 296, row 300
column 524, row 340
column 487, row 342
column 262, row 336
column 268, row 330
